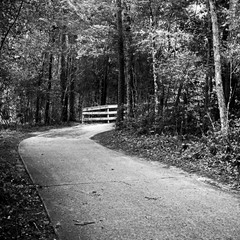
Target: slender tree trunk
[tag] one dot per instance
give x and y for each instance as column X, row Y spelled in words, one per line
column 121, row 78
column 39, row 83
column 210, row 63
column 178, row 96
column 37, row 113
column 208, row 79
column 49, row 87
column 11, row 26
column 218, row 71
column 206, row 90
column 161, row 101
column 72, row 101
column 129, row 64
column 130, row 97
column 232, row 41
column 104, row 82
column 228, row 35
column 72, row 116
column 63, row 79
column 154, row 60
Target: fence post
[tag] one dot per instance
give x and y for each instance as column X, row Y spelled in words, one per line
column 82, row 118
column 108, row 115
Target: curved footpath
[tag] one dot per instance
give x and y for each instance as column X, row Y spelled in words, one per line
column 93, row 193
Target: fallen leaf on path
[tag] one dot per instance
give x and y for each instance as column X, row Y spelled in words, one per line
column 84, row 223
column 151, row 198
column 58, row 225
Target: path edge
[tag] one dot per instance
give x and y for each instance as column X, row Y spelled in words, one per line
column 35, row 185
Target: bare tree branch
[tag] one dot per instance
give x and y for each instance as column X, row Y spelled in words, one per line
column 11, row 26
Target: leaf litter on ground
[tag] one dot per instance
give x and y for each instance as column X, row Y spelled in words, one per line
column 22, row 214
column 192, row 155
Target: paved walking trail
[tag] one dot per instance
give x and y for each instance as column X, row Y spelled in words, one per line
column 93, row 193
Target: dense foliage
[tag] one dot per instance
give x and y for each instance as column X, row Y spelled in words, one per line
column 59, row 56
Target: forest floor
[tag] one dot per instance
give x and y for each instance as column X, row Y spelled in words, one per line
column 22, row 213
column 194, row 156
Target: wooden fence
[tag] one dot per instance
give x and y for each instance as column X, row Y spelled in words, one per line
column 104, row 113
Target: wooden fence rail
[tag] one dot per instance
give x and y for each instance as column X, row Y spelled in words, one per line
column 99, row 113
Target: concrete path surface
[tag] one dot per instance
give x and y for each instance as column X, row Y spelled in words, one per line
column 93, row 193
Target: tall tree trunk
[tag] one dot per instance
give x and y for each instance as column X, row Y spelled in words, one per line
column 72, row 101
column 154, row 59
column 49, row 86
column 232, row 41
column 39, row 83
column 210, row 63
column 72, row 116
column 121, row 77
column 63, row 79
column 208, row 80
column 218, row 71
column 104, row 82
column 129, row 62
column 229, row 37
column 37, row 113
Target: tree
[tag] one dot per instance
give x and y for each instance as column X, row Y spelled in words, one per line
column 64, row 76
column 13, row 19
column 129, row 59
column 153, row 22
column 121, row 77
column 62, row 56
column 218, row 71
column 49, row 87
column 233, row 22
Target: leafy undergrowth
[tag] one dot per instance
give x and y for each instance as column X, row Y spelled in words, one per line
column 209, row 157
column 22, row 214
